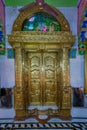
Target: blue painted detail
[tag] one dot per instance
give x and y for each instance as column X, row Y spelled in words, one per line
column 84, row 24
column 1, row 33
column 86, row 13
column 82, row 33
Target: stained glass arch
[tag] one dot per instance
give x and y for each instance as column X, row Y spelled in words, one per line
column 41, row 22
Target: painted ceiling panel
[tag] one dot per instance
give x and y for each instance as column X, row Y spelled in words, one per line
column 56, row 3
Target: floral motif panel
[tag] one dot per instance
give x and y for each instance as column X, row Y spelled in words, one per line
column 41, row 22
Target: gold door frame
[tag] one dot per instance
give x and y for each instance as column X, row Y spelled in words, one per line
column 24, row 42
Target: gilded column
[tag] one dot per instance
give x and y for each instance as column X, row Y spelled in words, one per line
column 19, row 88
column 66, row 89
column 25, row 79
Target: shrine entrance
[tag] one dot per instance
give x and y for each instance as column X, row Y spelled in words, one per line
column 41, row 38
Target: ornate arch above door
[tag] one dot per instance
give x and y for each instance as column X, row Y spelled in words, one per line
column 34, row 7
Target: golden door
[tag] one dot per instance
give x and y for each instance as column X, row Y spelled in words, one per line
column 42, row 78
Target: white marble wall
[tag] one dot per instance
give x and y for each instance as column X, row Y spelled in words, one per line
column 77, row 64
column 7, row 68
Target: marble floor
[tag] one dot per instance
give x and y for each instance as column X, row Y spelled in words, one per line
column 54, row 123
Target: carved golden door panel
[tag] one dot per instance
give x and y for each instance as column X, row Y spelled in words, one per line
column 42, row 78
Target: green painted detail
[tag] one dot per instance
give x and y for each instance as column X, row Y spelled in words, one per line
column 82, row 48
column 41, row 22
column 56, row 3
column 2, row 40
column 62, row 3
column 18, row 2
